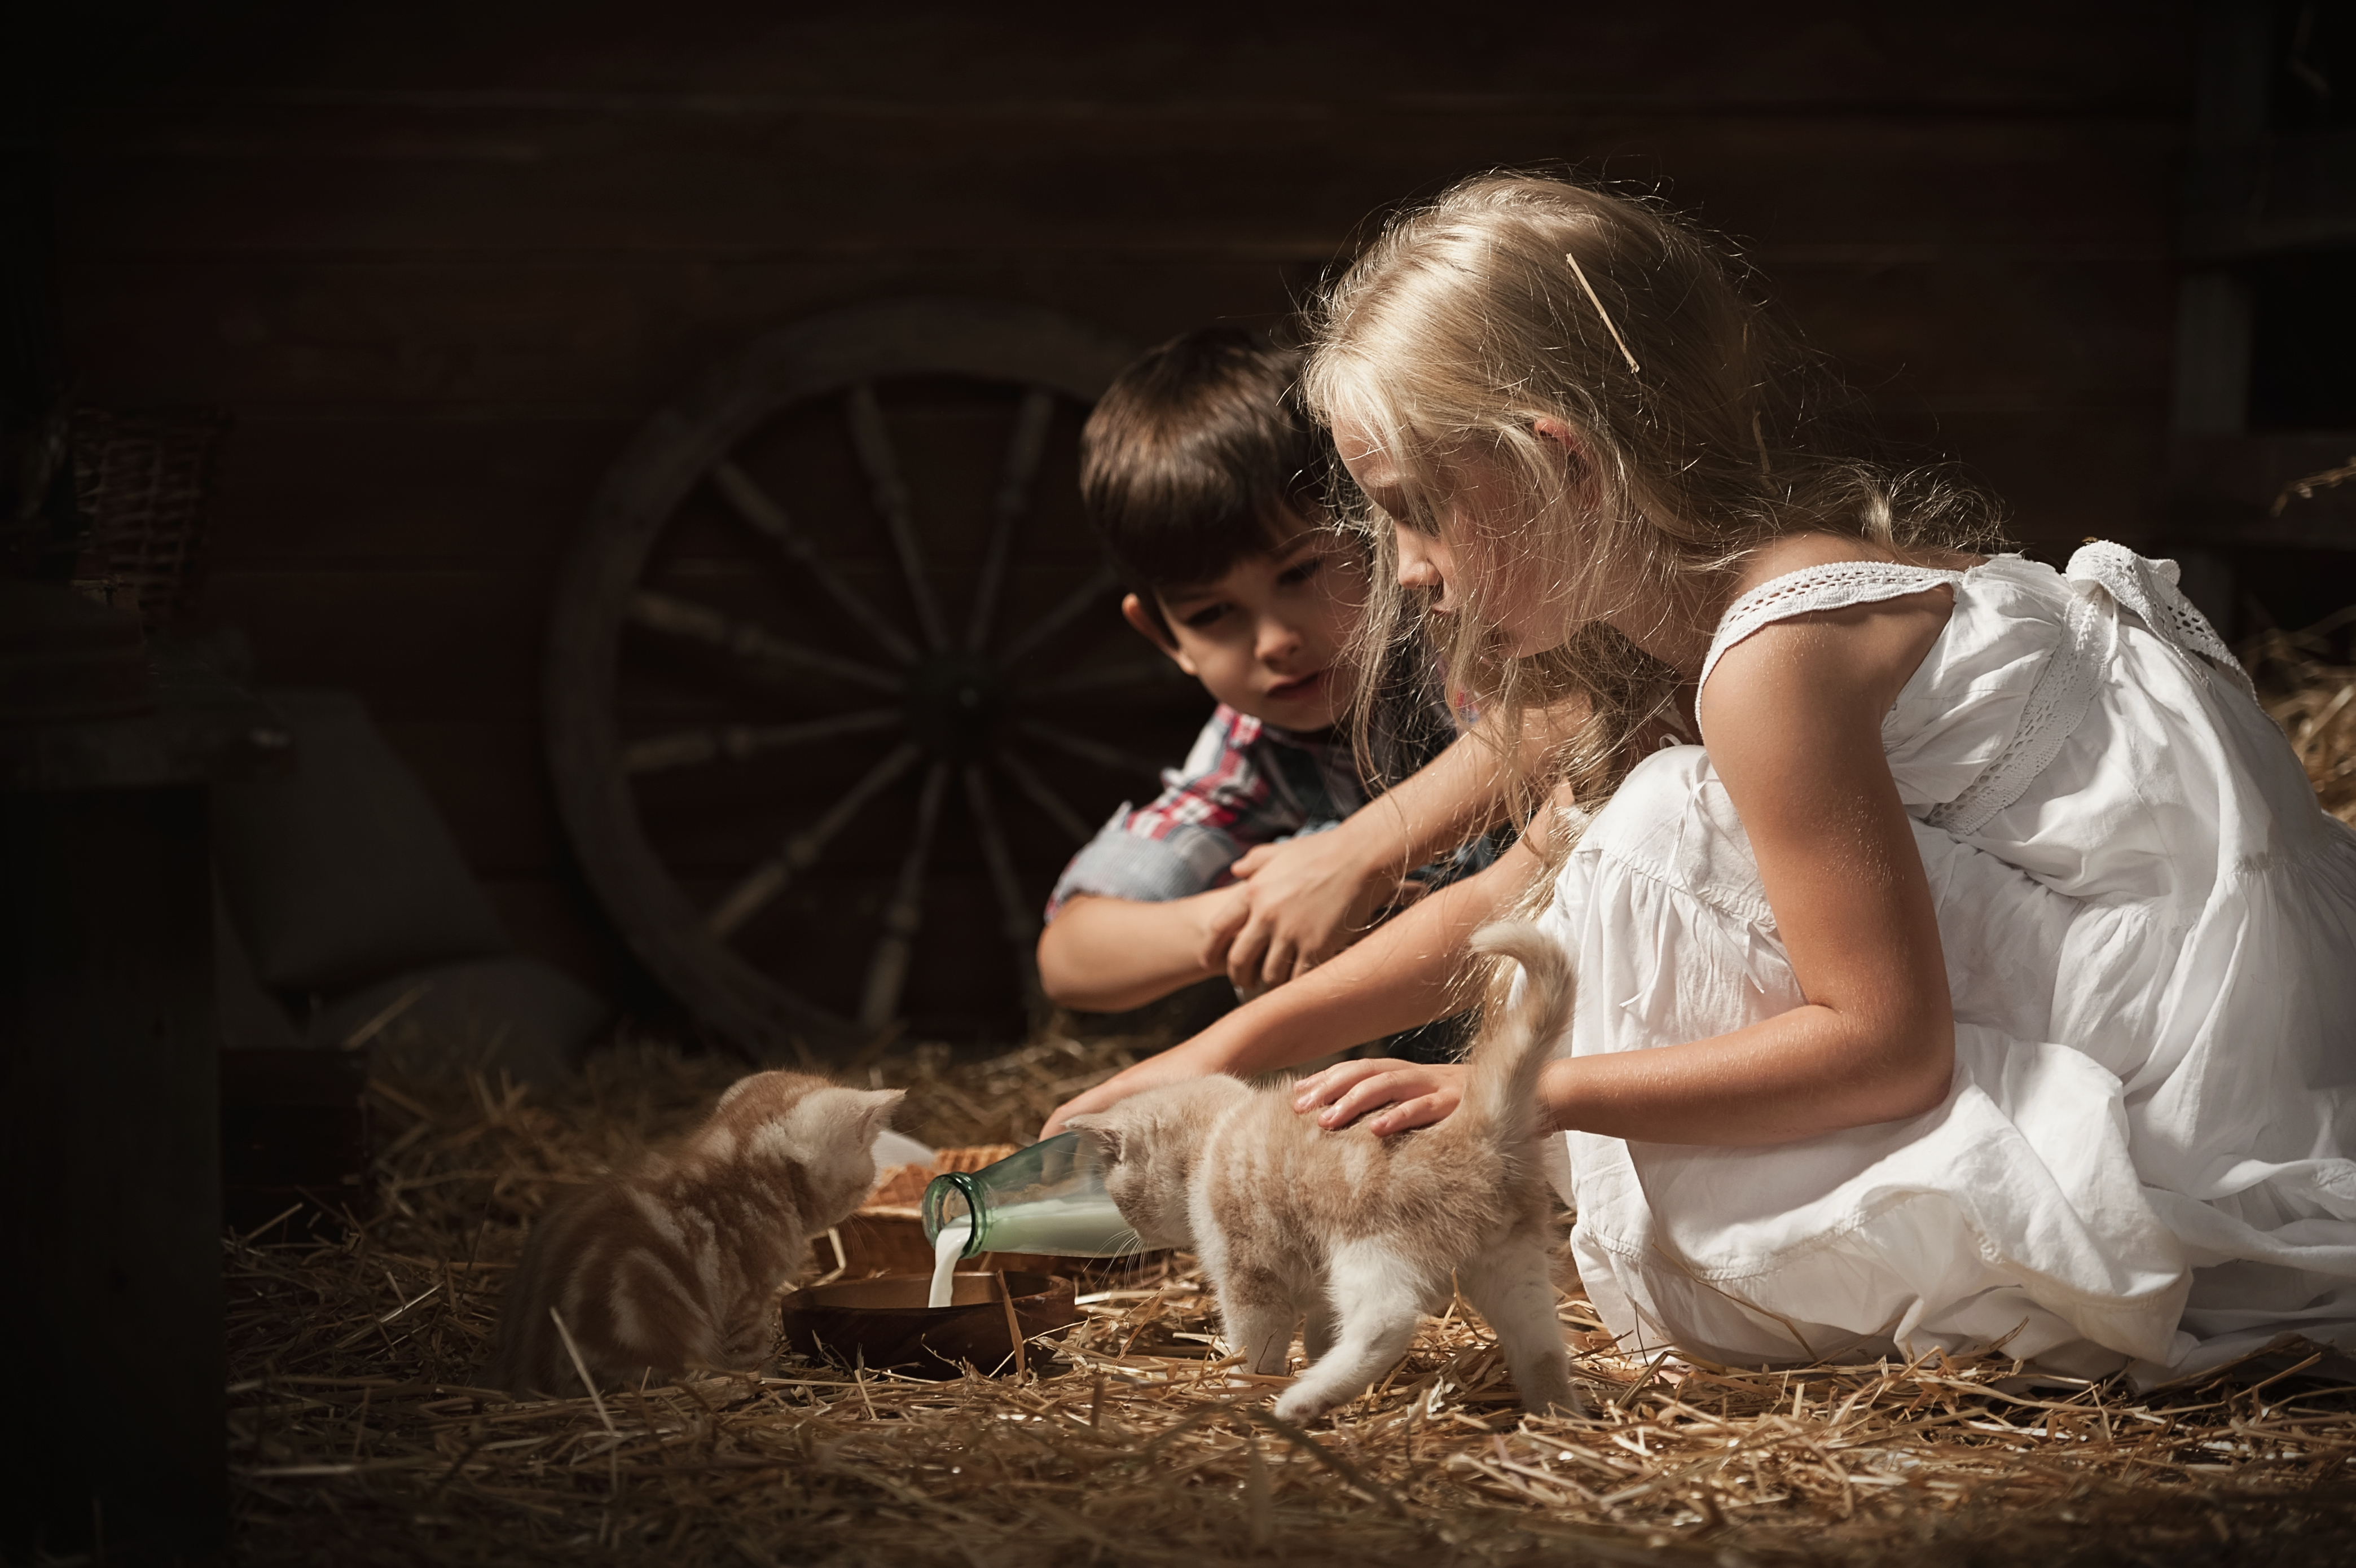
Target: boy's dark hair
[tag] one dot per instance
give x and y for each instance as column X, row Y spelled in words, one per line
column 1192, row 455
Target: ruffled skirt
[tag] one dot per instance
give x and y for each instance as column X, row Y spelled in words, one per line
column 2169, row 1199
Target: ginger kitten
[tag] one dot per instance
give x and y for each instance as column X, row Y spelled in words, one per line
column 676, row 1264
column 1360, row 1233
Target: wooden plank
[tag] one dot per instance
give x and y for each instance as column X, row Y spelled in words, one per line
column 152, row 331
column 201, row 180
column 456, row 642
column 2287, row 193
column 717, row 59
column 2048, row 332
column 545, row 340
column 2061, row 475
column 410, row 492
column 316, row 485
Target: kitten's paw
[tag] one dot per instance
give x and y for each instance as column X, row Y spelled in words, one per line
column 1549, row 1387
column 1301, row 1406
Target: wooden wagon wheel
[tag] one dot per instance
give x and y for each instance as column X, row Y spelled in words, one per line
column 835, row 679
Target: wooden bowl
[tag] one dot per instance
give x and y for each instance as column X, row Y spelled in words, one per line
column 884, row 1322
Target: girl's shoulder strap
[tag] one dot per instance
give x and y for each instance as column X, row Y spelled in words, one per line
column 2150, row 588
column 1835, row 586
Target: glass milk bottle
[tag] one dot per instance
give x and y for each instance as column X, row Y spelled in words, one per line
column 1049, row 1198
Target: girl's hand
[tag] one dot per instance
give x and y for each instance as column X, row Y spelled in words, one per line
column 1309, row 897
column 1172, row 1065
column 1220, row 914
column 1398, row 1095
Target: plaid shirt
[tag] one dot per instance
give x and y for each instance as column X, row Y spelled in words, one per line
column 1245, row 784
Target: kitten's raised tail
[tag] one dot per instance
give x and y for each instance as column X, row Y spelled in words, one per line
column 1501, row 1085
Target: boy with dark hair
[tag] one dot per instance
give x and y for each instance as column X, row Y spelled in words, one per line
column 1262, row 856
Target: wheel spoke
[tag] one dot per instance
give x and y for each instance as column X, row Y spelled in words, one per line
column 874, row 445
column 1016, row 919
column 887, row 968
column 1139, row 673
column 1022, row 452
column 734, row 743
column 1059, row 812
column 1089, row 750
column 766, row 880
column 1081, row 601
column 755, row 506
column 763, row 651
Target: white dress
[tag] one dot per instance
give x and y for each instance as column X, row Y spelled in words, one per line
column 2150, row 936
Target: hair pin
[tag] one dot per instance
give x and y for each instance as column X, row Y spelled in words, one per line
column 1596, row 300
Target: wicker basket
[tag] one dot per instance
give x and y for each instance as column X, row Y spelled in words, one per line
column 143, row 482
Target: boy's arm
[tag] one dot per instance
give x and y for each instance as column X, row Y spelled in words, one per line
column 1136, row 914
column 1313, row 895
column 1407, row 973
column 1108, row 955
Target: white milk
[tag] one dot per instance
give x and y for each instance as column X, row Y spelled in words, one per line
column 947, row 1247
column 1068, row 1227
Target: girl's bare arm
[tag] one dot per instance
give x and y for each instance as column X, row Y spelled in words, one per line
column 1793, row 719
column 1404, row 974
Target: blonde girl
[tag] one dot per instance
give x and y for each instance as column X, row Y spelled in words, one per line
column 1986, row 975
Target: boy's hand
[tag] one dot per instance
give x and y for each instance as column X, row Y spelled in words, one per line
column 1308, row 898
column 1221, row 913
column 1392, row 1095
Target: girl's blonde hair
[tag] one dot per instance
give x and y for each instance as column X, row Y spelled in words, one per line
column 1707, row 430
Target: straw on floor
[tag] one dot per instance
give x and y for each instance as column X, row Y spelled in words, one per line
column 359, row 1437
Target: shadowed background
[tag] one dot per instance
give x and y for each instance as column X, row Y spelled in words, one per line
column 442, row 261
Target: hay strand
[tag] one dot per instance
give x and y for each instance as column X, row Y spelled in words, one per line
column 360, row 1435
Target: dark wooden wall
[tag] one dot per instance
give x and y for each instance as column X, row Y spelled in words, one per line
column 441, row 260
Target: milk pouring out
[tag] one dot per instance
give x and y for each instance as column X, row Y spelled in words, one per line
column 1049, row 1198
column 947, row 1248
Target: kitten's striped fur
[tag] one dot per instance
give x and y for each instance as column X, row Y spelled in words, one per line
column 676, row 1265
column 1360, row 1233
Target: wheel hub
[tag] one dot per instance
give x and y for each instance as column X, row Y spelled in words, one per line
column 954, row 705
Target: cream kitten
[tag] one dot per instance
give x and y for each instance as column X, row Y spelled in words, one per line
column 677, row 1264
column 1361, row 1234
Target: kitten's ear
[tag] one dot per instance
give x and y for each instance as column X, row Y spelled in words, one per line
column 1099, row 1135
column 875, row 1108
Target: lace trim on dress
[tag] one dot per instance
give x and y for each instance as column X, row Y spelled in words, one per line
column 1834, row 587
column 2057, row 701
column 2148, row 588
column 2065, row 689
column 2057, row 704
